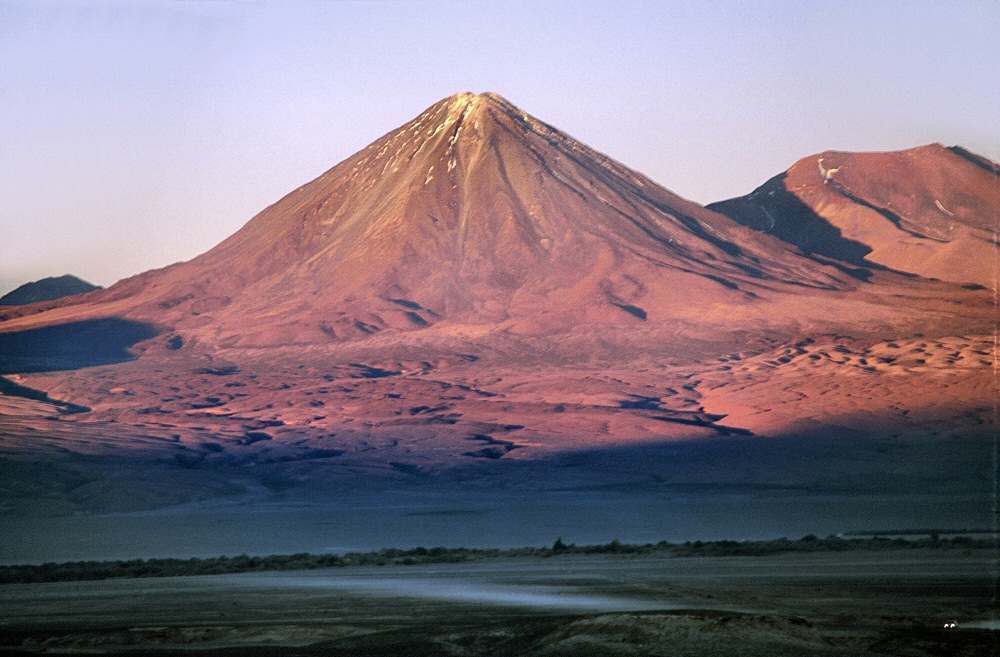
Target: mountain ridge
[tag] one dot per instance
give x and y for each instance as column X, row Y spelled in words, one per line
column 918, row 211
column 417, row 217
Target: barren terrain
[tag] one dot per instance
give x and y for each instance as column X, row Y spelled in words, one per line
column 874, row 603
column 479, row 306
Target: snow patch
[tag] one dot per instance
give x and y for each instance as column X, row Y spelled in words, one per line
column 771, row 222
column 941, row 208
column 826, row 173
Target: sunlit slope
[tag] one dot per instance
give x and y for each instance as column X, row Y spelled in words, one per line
column 474, row 217
column 931, row 211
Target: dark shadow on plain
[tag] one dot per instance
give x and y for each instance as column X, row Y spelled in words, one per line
column 821, row 460
column 72, row 346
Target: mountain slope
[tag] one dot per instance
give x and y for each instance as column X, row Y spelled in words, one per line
column 931, row 211
column 474, row 214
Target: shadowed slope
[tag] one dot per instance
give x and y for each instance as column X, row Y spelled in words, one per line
column 771, row 209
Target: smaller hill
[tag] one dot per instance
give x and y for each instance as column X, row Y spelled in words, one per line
column 929, row 211
column 47, row 289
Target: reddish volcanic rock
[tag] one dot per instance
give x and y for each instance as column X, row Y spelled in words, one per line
column 930, row 211
column 474, row 215
column 477, row 289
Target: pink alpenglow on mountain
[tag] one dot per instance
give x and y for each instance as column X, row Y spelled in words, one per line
column 477, row 296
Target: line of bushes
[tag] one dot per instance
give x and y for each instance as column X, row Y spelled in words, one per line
column 99, row 570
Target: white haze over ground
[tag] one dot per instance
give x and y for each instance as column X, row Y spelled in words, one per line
column 139, row 134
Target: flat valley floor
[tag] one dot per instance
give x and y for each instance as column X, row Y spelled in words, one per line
column 857, row 603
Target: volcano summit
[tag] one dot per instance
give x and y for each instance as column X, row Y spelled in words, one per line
column 473, row 215
column 479, row 300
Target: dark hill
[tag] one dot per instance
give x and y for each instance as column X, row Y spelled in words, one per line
column 47, row 289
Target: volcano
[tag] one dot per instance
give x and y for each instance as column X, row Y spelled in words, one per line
column 475, row 214
column 477, row 297
column 928, row 211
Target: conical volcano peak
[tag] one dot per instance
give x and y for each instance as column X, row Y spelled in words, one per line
column 473, row 214
column 466, row 106
column 464, row 99
column 456, row 104
column 458, row 108
column 480, row 111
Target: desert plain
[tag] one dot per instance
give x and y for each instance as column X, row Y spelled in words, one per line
column 872, row 603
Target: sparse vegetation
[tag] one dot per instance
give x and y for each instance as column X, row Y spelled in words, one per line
column 137, row 568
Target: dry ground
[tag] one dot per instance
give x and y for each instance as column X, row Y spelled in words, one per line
column 886, row 603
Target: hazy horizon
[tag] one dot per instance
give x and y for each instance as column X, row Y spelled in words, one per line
column 143, row 134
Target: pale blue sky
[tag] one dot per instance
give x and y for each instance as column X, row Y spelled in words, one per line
column 137, row 134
